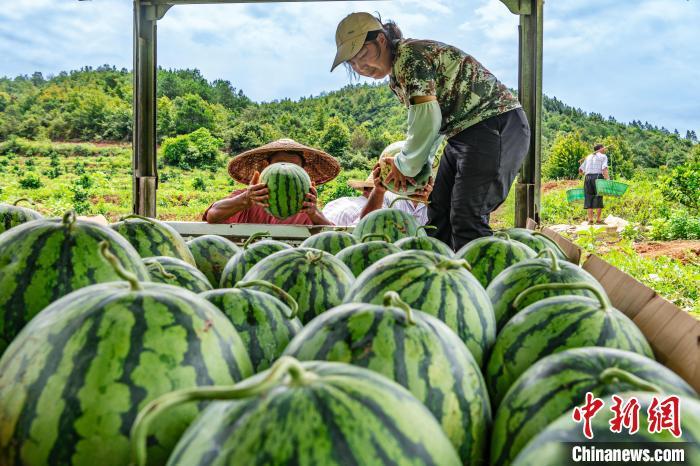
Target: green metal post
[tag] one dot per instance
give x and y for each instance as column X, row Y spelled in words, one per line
column 527, row 188
column 145, row 181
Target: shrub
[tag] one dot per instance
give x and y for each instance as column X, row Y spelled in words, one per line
column 79, row 168
column 80, row 200
column 85, row 182
column 683, row 185
column 31, row 182
column 677, row 226
column 198, row 184
column 566, row 154
column 198, row 149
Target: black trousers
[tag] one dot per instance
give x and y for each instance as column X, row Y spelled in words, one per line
column 476, row 172
column 591, row 199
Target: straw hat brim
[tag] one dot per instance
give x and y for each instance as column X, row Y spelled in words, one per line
column 320, row 166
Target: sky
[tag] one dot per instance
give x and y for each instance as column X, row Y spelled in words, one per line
column 630, row 59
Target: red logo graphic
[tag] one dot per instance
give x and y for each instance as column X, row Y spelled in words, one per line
column 625, row 415
column 665, row 415
column 586, row 413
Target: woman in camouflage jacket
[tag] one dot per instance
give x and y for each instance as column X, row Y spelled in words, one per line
column 449, row 94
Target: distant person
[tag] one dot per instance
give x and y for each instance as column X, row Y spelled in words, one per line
column 248, row 205
column 448, row 95
column 346, row 210
column 594, row 167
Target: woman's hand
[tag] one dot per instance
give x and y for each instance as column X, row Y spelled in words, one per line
column 256, row 193
column 400, row 180
column 310, row 207
column 424, row 193
column 377, row 179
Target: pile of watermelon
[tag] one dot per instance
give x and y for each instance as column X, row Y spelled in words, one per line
column 128, row 345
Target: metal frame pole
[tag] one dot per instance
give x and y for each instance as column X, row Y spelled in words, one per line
column 527, row 189
column 145, row 174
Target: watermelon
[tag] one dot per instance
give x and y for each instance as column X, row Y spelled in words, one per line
column 517, row 278
column 153, row 238
column 287, row 185
column 248, row 256
column 330, row 241
column 12, row 215
column 42, row 260
column 361, row 256
column 549, row 448
column 173, row 271
column 392, row 223
column 315, row 279
column 424, row 243
column 556, row 384
column 211, row 254
column 556, row 324
column 440, row 286
column 537, row 241
column 73, row 381
column 311, row 414
column 414, row 349
column 491, row 255
column 264, row 322
column 421, row 179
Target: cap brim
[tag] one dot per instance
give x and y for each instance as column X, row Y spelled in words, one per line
column 347, row 50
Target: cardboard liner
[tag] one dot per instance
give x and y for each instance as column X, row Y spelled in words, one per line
column 673, row 334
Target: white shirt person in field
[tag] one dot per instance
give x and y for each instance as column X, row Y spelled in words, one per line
column 594, row 167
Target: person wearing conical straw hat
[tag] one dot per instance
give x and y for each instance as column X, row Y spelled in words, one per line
column 449, row 95
column 248, row 205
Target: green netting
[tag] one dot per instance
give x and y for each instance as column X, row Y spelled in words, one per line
column 610, row 188
column 575, row 195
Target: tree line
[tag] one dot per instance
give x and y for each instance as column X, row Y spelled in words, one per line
column 353, row 123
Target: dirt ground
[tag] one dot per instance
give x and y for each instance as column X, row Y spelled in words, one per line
column 683, row 250
column 568, row 184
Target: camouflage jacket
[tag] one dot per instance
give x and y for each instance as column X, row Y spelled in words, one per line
column 466, row 91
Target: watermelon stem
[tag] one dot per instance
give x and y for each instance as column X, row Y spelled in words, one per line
column 426, row 227
column 552, row 257
column 549, row 242
column 454, row 264
column 254, row 236
column 25, row 199
column 502, row 234
column 615, row 374
column 603, row 299
column 291, row 302
column 118, row 268
column 375, row 235
column 154, row 264
column 284, row 366
column 314, row 255
column 406, row 198
column 69, row 218
column 140, row 217
column 392, row 298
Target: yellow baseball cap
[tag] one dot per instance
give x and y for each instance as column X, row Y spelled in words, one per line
column 351, row 33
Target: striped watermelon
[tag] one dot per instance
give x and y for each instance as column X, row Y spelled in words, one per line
column 287, row 185
column 315, row 279
column 549, row 448
column 153, row 238
column 491, row 255
column 392, row 223
column 264, row 322
column 248, row 256
column 330, row 241
column 440, row 286
column 361, row 256
column 517, row 278
column 315, row 414
column 41, row 261
column 175, row 272
column 556, row 384
column 211, row 254
column 414, row 349
column 12, row 215
column 73, row 381
column 425, row 243
column 537, row 241
column 556, row 324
